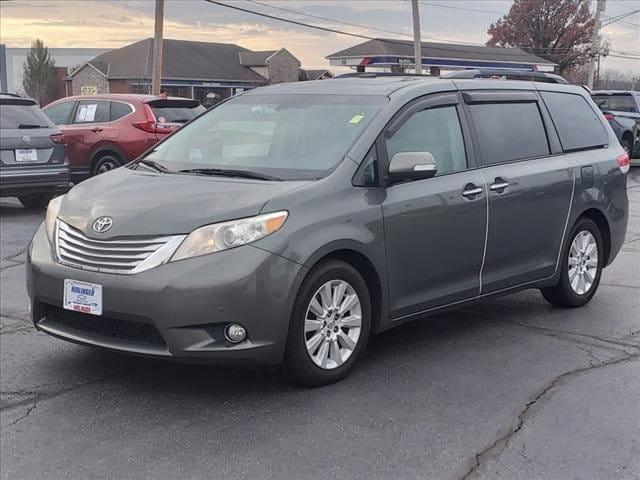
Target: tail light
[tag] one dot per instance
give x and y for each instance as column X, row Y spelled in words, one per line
column 151, row 125
column 624, row 163
column 608, row 116
column 57, row 138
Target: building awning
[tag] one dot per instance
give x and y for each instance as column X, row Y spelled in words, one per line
column 391, row 52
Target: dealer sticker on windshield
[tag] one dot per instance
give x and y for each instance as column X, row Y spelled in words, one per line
column 83, row 297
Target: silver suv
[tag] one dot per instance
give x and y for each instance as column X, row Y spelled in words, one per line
column 289, row 223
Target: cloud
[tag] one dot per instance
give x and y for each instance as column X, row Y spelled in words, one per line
column 114, row 23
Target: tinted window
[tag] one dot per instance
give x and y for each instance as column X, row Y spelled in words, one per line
column 622, row 102
column 22, row 115
column 170, row 114
column 60, row 113
column 577, row 124
column 119, row 110
column 368, row 173
column 509, row 131
column 287, row 136
column 92, row 111
column 435, row 130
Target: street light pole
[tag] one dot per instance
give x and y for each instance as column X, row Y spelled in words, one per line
column 595, row 43
column 417, row 45
column 157, row 49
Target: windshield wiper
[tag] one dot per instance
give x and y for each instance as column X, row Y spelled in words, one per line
column 223, row 172
column 32, row 125
column 153, row 164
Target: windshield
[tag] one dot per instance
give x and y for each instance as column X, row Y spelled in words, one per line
column 293, row 137
column 620, row 102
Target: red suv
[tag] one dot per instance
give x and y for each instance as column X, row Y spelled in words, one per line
column 103, row 132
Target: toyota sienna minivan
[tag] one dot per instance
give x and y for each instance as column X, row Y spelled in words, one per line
column 290, row 223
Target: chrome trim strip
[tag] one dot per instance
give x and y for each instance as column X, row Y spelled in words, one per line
column 566, row 223
column 143, row 240
column 486, row 233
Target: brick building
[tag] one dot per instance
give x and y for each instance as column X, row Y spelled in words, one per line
column 202, row 70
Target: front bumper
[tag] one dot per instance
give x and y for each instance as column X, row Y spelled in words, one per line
column 22, row 181
column 187, row 303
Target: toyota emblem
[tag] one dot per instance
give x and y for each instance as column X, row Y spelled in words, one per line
column 102, row 224
column 26, row 139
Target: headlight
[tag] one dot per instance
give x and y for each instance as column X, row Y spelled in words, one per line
column 222, row 236
column 52, row 214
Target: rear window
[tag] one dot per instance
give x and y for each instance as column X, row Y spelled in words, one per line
column 16, row 114
column 175, row 111
column 578, row 125
column 620, row 102
column 509, row 131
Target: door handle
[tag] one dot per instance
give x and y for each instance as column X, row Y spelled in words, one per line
column 96, row 129
column 471, row 191
column 499, row 185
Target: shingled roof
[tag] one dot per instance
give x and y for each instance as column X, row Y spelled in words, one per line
column 404, row 48
column 181, row 60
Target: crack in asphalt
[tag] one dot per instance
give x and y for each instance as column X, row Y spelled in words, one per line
column 499, row 444
column 40, row 397
column 10, row 258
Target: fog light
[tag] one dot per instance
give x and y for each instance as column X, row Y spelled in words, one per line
column 235, row 333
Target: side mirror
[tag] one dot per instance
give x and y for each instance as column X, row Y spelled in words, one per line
column 412, row 166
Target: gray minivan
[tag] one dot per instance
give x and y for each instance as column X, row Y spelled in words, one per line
column 289, row 223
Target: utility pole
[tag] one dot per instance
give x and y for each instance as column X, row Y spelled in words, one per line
column 595, row 43
column 157, row 49
column 417, row 45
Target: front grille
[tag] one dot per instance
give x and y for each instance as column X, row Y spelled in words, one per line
column 124, row 255
column 95, row 327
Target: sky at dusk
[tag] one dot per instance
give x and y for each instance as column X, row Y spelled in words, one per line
column 114, row 23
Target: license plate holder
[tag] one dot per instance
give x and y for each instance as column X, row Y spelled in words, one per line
column 82, row 297
column 26, row 155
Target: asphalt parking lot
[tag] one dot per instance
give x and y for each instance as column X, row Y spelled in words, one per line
column 511, row 388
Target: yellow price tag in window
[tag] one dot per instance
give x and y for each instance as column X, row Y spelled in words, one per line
column 356, row 118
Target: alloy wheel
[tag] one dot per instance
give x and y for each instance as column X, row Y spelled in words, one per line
column 333, row 322
column 583, row 262
column 106, row 166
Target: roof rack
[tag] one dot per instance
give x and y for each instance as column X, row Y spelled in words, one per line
column 506, row 75
column 380, row 74
column 11, row 94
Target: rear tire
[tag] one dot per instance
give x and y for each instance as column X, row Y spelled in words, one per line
column 581, row 267
column 323, row 347
column 35, row 200
column 106, row 163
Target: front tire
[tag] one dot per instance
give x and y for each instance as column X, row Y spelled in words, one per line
column 330, row 324
column 582, row 262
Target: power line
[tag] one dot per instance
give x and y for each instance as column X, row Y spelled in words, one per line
column 366, row 37
column 461, row 8
column 333, row 20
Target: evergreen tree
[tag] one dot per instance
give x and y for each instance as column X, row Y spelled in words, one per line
column 39, row 75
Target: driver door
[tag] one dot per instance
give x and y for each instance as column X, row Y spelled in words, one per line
column 435, row 228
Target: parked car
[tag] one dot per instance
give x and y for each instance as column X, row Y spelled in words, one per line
column 104, row 132
column 290, row 222
column 33, row 163
column 622, row 110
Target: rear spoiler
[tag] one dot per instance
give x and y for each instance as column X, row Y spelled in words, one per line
column 170, row 102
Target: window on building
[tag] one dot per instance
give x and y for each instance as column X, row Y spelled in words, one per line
column 437, row 131
column 92, row 111
column 578, row 126
column 509, row 131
